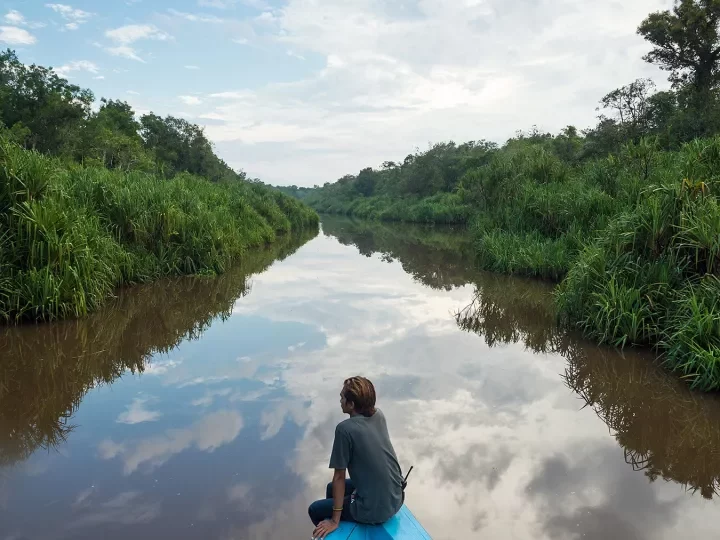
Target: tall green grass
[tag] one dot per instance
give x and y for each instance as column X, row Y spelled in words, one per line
column 652, row 277
column 70, row 235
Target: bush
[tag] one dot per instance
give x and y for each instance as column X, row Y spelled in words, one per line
column 652, row 276
column 72, row 234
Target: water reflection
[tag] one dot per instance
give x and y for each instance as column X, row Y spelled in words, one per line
column 46, row 370
column 227, row 436
column 662, row 427
column 440, row 258
column 665, row 430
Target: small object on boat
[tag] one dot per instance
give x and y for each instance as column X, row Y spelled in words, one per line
column 402, row 526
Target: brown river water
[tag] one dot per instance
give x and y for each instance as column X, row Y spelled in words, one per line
column 205, row 407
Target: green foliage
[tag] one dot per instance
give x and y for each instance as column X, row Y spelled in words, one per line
column 294, row 191
column 111, row 139
column 634, row 236
column 685, row 42
column 424, row 188
column 123, row 200
column 42, row 111
column 37, row 100
column 651, row 278
column 72, row 234
column 691, row 336
column 446, row 208
column 530, row 254
column 180, row 146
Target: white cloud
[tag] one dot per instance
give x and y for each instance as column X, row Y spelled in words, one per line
column 126, row 508
column 137, row 413
column 76, row 65
column 238, row 492
column 162, row 367
column 266, row 17
column 293, row 54
column 241, row 41
column 15, row 18
column 210, row 396
column 190, row 100
column 209, row 433
column 192, row 17
column 227, row 4
column 192, row 67
column 131, row 33
column 13, row 35
column 212, row 116
column 396, row 79
column 293, row 348
column 232, row 95
column 124, row 52
column 132, row 92
column 220, row 4
column 99, row 77
column 75, row 17
column 125, row 36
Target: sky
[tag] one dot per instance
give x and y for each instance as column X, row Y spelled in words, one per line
column 305, row 91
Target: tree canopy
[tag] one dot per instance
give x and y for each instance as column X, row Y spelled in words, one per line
column 43, row 111
column 686, row 42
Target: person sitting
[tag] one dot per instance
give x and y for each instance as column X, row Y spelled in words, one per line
column 375, row 491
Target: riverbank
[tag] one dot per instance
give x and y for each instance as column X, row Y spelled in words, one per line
column 73, row 234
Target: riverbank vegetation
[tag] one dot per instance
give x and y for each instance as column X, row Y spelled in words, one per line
column 625, row 215
column 90, row 201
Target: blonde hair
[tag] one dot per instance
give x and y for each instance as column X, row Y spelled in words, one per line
column 361, row 392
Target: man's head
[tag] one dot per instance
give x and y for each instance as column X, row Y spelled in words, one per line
column 358, row 396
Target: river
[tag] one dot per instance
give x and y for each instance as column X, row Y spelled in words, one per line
column 205, row 407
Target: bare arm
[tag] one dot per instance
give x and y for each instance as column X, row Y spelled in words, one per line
column 338, row 490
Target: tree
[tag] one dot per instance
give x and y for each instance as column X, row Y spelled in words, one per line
column 42, row 102
column 365, row 183
column 568, row 145
column 118, row 116
column 111, row 139
column 605, row 138
column 182, row 146
column 686, row 42
column 631, row 107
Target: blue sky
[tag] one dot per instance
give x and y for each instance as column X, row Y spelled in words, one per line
column 304, row 91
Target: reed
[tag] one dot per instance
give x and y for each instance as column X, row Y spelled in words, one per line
column 72, row 234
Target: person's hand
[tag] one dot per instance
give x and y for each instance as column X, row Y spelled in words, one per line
column 325, row 528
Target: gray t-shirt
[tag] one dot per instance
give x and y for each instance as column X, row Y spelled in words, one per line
column 362, row 446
